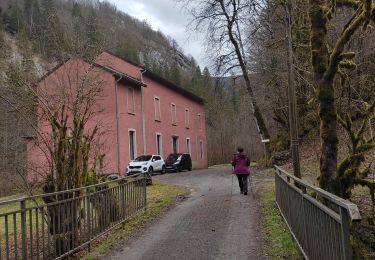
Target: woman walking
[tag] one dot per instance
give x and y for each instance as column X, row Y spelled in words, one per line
column 241, row 165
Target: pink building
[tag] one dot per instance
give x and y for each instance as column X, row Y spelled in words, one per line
column 141, row 112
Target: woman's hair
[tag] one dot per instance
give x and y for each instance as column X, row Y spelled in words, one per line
column 240, row 149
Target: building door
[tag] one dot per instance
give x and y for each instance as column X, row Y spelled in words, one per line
column 175, row 144
column 132, row 144
column 159, row 145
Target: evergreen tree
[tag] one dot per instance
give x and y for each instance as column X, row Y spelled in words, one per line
column 76, row 10
column 53, row 40
column 3, row 47
column 37, row 28
column 94, row 37
column 14, row 19
column 175, row 74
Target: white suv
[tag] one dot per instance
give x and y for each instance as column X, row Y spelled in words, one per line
column 146, row 163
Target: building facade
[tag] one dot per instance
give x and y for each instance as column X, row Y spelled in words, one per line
column 141, row 113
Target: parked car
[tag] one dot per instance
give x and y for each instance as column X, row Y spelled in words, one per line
column 146, row 164
column 178, row 162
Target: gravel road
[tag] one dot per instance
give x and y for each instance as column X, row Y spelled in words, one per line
column 211, row 224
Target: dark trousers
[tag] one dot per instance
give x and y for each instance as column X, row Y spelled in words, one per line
column 242, row 181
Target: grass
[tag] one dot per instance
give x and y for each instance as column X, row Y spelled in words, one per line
column 159, row 196
column 279, row 241
column 11, row 207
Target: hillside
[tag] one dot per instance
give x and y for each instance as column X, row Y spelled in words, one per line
column 57, row 28
column 35, row 35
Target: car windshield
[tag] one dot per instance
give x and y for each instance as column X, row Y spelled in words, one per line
column 143, row 158
column 173, row 157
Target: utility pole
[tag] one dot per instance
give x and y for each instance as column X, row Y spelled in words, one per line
column 294, row 143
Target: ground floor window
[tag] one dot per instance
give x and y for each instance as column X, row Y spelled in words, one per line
column 201, row 149
column 132, row 145
column 159, row 149
column 175, row 144
column 188, row 147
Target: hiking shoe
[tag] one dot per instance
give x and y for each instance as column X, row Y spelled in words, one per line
column 245, row 193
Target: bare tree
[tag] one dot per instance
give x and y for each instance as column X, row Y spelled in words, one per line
column 223, row 22
column 66, row 152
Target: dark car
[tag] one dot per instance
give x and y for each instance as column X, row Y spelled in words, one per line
column 178, row 162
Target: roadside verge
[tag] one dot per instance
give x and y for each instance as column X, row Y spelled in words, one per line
column 279, row 243
column 160, row 196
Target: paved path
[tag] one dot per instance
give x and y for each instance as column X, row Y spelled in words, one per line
column 210, row 224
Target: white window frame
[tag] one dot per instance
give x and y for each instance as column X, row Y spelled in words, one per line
column 174, row 115
column 161, row 143
column 187, row 118
column 188, row 145
column 157, row 108
column 178, row 143
column 130, row 92
column 135, row 142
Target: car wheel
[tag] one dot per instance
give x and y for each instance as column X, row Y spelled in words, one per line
column 180, row 169
column 190, row 168
column 162, row 169
column 150, row 170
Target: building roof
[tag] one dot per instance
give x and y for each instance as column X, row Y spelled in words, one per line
column 173, row 86
column 126, row 78
column 120, row 75
column 131, row 80
column 162, row 80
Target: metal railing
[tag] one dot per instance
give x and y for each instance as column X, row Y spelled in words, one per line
column 322, row 231
column 56, row 225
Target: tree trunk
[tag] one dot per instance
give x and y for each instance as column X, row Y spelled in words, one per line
column 232, row 24
column 326, row 96
column 255, row 108
column 328, row 137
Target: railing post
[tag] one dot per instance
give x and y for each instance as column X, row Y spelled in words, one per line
column 145, row 192
column 345, row 234
column 89, row 218
column 23, row 229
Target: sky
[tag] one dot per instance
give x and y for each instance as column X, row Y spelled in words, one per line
column 170, row 18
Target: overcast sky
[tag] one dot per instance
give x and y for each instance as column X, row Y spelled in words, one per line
column 170, row 18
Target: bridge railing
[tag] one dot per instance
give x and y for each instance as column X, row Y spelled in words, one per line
column 320, row 230
column 56, row 225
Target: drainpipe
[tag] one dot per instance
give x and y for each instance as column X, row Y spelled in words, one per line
column 117, row 126
column 143, row 113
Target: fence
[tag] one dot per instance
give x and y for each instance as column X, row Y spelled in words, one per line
column 56, row 225
column 321, row 230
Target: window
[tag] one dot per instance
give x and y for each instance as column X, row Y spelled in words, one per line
column 188, row 147
column 132, row 145
column 175, row 144
column 174, row 114
column 130, row 101
column 187, row 118
column 201, row 149
column 159, row 145
column 157, row 108
column 199, row 121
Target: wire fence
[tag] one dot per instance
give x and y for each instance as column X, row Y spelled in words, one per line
column 322, row 230
column 56, row 225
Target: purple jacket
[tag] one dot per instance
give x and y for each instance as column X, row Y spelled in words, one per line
column 241, row 164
